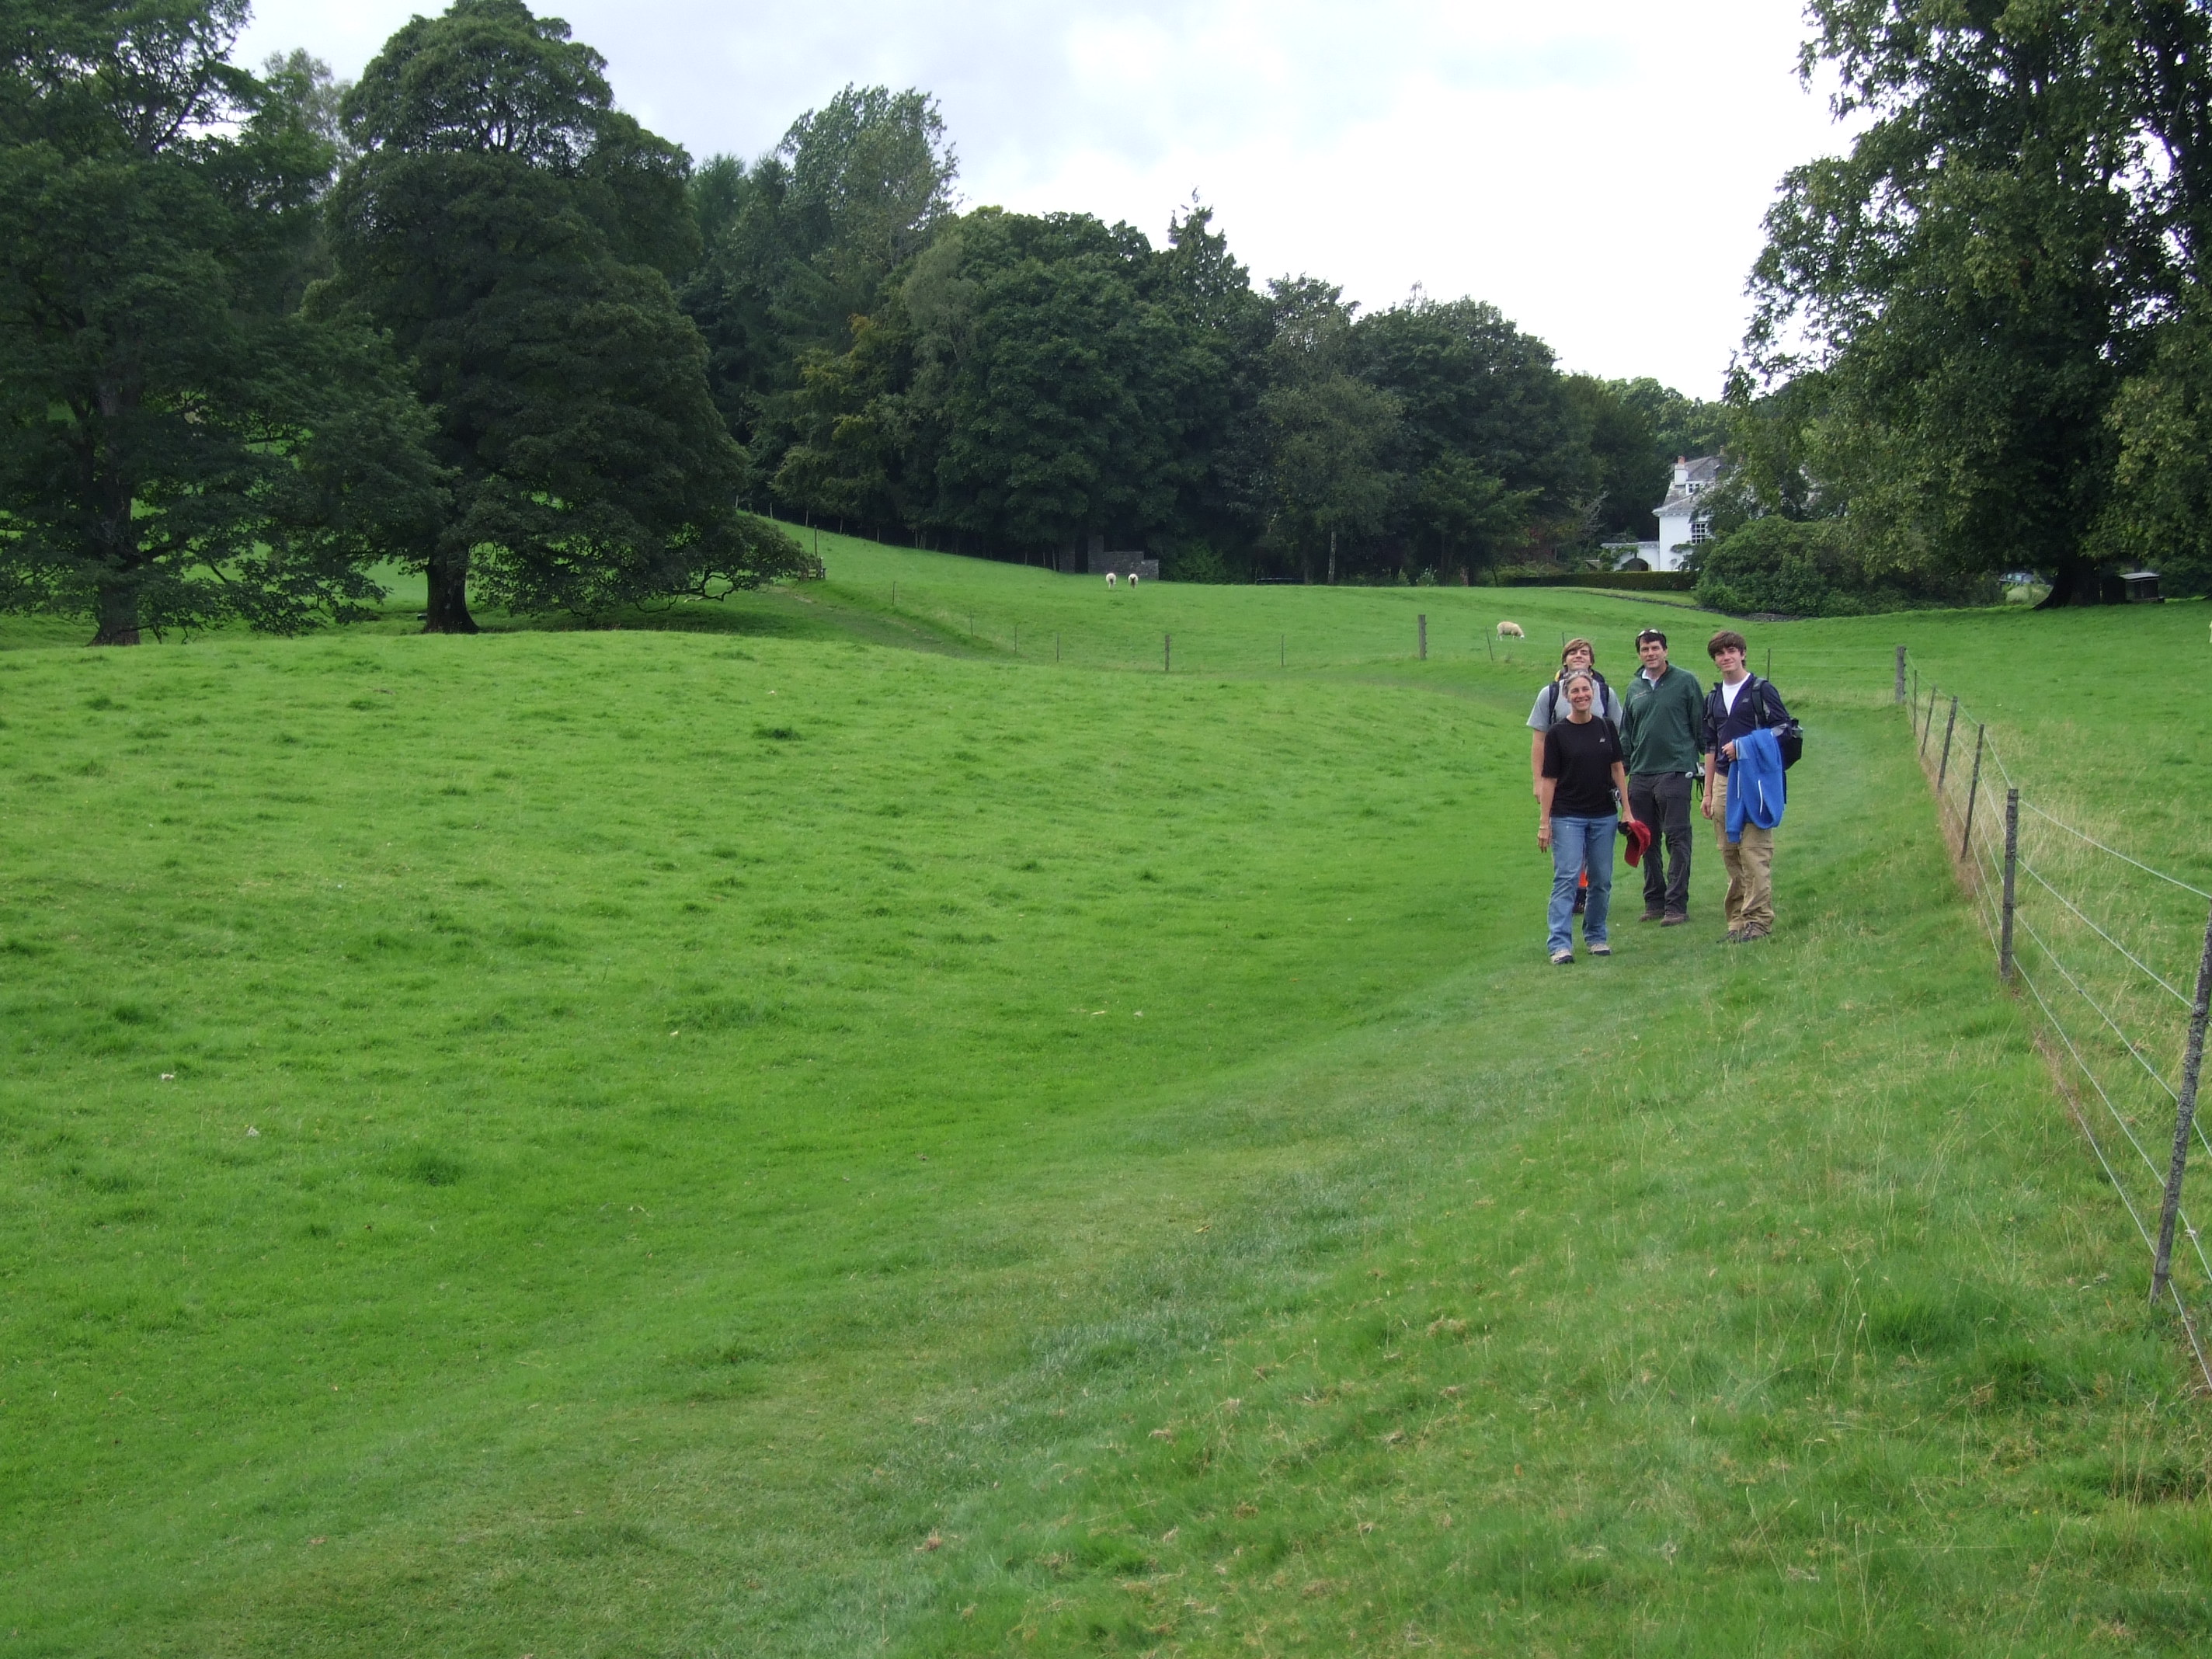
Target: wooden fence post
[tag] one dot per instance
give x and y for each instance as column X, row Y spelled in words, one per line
column 1949, row 726
column 2011, row 863
column 1966, row 836
column 1424, row 621
column 1901, row 675
column 2185, row 1114
column 1167, row 653
column 1928, row 731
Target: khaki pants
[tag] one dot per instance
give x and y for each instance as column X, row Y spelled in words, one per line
column 1750, row 867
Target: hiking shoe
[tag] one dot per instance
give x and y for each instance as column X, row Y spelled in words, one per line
column 1654, row 915
column 1755, row 933
column 1561, row 958
column 1673, row 918
column 1733, row 936
column 1601, row 948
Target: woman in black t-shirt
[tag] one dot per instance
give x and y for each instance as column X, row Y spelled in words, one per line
column 1579, row 816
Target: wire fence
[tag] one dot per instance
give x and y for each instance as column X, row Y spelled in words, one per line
column 2115, row 956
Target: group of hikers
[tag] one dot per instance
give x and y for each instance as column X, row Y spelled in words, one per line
column 1605, row 764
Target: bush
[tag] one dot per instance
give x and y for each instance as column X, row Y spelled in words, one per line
column 1648, row 581
column 1195, row 562
column 1798, row 568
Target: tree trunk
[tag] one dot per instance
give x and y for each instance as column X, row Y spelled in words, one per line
column 447, row 574
column 2074, row 583
column 115, row 609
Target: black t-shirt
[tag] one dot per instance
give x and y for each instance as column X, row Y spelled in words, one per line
column 1582, row 757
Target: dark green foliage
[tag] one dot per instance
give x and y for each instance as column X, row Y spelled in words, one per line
column 517, row 236
column 1796, row 567
column 1027, row 381
column 1333, row 436
column 1491, row 434
column 1012, row 384
column 2161, row 515
column 180, row 447
column 800, row 244
column 1992, row 282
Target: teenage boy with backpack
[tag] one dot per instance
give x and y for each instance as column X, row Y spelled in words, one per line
column 1664, row 736
column 1739, row 704
column 1551, row 707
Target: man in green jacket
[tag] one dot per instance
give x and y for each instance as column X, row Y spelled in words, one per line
column 1665, row 713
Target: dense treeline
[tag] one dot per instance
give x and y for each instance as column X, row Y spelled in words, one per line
column 262, row 332
column 1018, row 385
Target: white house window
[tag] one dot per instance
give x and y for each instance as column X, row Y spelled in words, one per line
column 1700, row 530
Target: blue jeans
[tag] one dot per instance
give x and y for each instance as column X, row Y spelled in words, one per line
column 1577, row 844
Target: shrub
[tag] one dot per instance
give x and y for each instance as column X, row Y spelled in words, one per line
column 1195, row 562
column 1810, row 568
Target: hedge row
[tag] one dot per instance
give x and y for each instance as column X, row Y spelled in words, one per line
column 1665, row 582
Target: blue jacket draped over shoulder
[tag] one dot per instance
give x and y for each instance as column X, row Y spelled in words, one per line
column 1755, row 791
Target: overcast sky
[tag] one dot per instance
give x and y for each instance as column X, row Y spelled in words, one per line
column 1596, row 170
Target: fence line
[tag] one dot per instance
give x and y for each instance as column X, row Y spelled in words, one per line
column 2103, row 938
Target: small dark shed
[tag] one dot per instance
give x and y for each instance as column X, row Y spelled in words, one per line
column 2142, row 586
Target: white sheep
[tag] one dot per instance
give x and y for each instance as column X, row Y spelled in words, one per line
column 1133, row 578
column 1109, row 579
column 1510, row 630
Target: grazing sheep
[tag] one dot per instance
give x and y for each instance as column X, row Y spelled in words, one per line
column 1109, row 579
column 1133, row 578
column 1510, row 630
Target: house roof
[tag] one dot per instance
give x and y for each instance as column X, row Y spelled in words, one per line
column 1702, row 471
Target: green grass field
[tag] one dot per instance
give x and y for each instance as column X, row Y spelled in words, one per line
column 811, row 1127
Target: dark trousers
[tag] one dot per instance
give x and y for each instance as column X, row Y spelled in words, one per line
column 1661, row 800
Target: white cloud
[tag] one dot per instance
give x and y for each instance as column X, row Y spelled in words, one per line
column 1598, row 172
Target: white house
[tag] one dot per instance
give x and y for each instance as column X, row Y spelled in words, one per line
column 1682, row 525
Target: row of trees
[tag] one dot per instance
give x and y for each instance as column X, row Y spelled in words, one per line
column 1984, row 337
column 1015, row 384
column 260, row 334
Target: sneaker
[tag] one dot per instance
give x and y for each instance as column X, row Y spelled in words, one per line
column 1561, row 958
column 1673, row 918
column 1654, row 915
column 1600, row 949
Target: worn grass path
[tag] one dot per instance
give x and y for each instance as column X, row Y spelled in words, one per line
column 768, row 1142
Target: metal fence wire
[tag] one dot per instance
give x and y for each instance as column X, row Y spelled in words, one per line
column 2115, row 956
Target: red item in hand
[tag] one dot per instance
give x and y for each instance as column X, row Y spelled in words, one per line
column 1640, row 839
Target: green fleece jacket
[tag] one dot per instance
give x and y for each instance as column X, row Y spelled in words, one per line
column 1663, row 722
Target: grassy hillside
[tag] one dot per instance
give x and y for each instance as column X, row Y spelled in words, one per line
column 817, row 1130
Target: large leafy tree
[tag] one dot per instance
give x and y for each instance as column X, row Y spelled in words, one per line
column 179, row 447
column 2019, row 221
column 802, row 242
column 1026, row 382
column 517, row 234
column 1333, row 438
